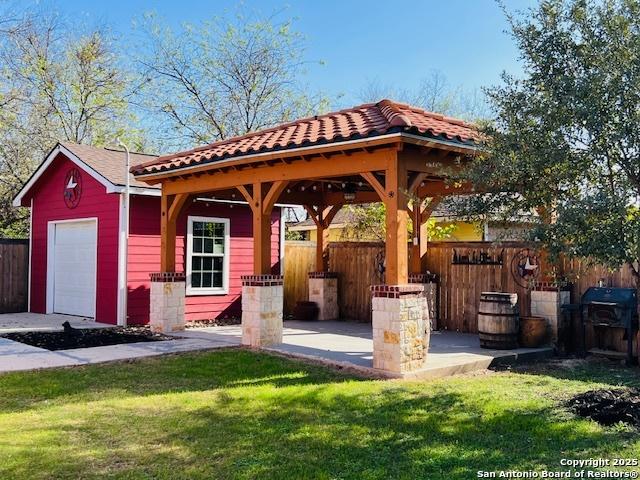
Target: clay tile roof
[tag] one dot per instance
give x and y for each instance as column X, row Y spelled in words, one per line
column 364, row 121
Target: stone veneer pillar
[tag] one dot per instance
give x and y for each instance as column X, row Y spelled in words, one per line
column 546, row 304
column 400, row 333
column 262, row 305
column 323, row 290
column 430, row 293
column 167, row 302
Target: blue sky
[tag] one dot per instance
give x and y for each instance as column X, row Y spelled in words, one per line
column 393, row 43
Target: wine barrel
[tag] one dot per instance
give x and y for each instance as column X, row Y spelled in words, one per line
column 498, row 320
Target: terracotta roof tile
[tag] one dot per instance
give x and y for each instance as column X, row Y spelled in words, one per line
column 367, row 120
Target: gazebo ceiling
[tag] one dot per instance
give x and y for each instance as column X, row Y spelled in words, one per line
column 366, row 125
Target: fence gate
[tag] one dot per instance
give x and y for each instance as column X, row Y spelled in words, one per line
column 14, row 275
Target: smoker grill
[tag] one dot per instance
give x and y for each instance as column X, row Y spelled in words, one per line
column 604, row 307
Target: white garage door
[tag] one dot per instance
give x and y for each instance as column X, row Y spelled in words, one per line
column 74, row 266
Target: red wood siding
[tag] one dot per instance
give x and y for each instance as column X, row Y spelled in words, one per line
column 144, row 256
column 48, row 205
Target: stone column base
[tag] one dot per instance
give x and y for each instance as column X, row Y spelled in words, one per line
column 167, row 302
column 430, row 285
column 262, row 305
column 546, row 304
column 323, row 290
column 400, row 333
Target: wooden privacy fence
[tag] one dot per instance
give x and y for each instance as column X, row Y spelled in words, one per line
column 460, row 284
column 355, row 263
column 299, row 260
column 14, row 275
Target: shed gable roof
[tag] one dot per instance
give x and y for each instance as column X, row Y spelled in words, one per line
column 364, row 121
column 103, row 164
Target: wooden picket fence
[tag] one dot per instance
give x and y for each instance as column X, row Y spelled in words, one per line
column 14, row 275
column 460, row 285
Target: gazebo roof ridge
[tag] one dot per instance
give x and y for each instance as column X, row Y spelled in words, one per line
column 364, row 121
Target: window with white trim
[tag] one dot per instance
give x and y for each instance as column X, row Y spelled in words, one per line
column 207, row 256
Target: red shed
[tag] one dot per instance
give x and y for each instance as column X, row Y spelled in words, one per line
column 78, row 234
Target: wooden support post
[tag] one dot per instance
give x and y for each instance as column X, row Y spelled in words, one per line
column 416, row 252
column 170, row 206
column 322, row 217
column 396, row 204
column 261, row 201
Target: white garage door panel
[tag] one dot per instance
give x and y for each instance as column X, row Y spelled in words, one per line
column 74, row 282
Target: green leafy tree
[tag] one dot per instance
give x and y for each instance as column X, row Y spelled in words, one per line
column 224, row 77
column 57, row 85
column 368, row 222
column 566, row 140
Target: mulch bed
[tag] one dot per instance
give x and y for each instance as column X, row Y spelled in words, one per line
column 84, row 338
column 608, row 407
column 214, row 322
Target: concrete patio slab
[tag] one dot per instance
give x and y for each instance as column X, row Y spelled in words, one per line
column 346, row 344
column 350, row 344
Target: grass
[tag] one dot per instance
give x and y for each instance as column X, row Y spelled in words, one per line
column 240, row 414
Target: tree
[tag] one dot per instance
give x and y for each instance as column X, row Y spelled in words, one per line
column 368, row 222
column 224, row 77
column 434, row 94
column 566, row 140
column 57, row 86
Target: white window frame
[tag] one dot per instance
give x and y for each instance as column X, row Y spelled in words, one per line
column 225, row 259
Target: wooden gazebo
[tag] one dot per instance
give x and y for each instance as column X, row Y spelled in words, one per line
column 386, row 151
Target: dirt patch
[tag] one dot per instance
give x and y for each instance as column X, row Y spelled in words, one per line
column 608, row 407
column 84, row 338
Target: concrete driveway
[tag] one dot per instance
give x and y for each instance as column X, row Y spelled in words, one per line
column 38, row 322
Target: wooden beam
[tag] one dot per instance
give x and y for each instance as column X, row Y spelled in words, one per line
column 396, row 221
column 317, row 168
column 441, row 188
column 426, row 212
column 272, row 196
column 415, row 181
column 373, row 181
column 247, row 196
column 176, row 205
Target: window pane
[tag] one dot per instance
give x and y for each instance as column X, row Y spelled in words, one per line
column 196, row 280
column 206, row 280
column 207, row 263
column 197, row 245
column 219, row 230
column 217, row 279
column 218, row 246
column 208, row 245
column 197, row 229
column 217, row 264
column 196, row 263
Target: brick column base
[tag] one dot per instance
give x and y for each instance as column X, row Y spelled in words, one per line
column 262, row 305
column 323, row 290
column 400, row 332
column 546, row 304
column 167, row 302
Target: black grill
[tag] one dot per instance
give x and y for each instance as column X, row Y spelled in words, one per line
column 604, row 307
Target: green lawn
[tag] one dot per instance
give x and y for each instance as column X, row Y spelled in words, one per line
column 238, row 414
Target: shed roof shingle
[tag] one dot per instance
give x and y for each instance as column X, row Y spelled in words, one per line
column 109, row 162
column 368, row 120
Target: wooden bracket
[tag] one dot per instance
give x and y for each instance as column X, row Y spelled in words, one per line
column 377, row 186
